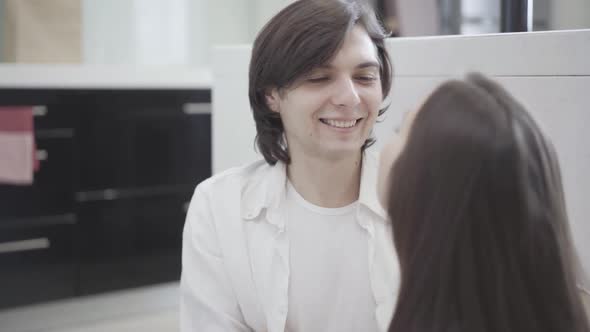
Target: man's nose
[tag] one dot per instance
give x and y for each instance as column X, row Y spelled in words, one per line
column 346, row 94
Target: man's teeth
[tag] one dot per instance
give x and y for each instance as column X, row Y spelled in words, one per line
column 340, row 124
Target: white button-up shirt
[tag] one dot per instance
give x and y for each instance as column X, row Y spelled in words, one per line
column 235, row 256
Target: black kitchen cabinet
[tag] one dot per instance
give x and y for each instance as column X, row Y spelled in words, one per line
column 53, row 190
column 107, row 207
column 179, row 146
column 37, row 260
column 144, row 242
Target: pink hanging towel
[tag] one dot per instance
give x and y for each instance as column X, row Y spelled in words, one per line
column 17, row 145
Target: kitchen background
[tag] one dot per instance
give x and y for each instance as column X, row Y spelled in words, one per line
column 119, row 92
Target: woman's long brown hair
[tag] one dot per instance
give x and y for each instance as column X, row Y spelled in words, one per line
column 479, row 219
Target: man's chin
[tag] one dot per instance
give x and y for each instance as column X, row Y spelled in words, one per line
column 341, row 152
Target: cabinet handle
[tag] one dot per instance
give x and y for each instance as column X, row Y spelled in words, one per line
column 24, row 245
column 196, row 108
column 54, row 133
column 47, row 220
column 39, row 111
column 138, row 192
column 41, row 155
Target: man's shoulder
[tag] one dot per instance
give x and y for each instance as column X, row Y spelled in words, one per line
column 232, row 178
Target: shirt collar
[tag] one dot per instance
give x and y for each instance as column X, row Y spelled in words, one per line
column 368, row 191
column 265, row 186
column 262, row 189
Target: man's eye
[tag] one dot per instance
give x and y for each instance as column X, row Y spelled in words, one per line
column 367, row 78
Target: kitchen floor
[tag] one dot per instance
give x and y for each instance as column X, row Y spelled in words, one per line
column 146, row 309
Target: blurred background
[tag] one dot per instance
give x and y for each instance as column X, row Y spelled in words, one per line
column 106, row 128
column 183, row 31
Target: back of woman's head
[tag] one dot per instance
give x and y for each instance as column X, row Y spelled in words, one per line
column 479, row 218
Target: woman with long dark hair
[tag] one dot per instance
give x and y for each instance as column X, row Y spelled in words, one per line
column 473, row 189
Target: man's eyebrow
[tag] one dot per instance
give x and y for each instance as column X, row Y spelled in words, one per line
column 368, row 64
column 363, row 65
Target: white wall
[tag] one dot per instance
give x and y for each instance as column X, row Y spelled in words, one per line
column 232, row 124
column 569, row 14
column 107, row 32
column 169, row 32
column 264, row 10
column 143, row 32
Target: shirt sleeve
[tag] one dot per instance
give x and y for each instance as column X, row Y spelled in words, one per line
column 207, row 299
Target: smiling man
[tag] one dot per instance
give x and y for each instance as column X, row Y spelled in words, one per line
column 298, row 241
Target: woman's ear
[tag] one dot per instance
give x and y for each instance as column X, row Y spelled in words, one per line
column 273, row 99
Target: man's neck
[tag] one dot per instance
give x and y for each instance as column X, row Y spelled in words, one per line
column 326, row 183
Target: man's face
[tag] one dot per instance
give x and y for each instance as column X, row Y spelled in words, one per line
column 329, row 113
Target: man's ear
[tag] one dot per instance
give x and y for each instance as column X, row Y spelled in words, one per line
column 273, row 99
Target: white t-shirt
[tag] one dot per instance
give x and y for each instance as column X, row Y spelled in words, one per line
column 329, row 287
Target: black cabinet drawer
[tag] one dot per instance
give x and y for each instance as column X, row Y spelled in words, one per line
column 54, row 116
column 37, row 263
column 52, row 190
column 142, row 146
column 130, row 242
